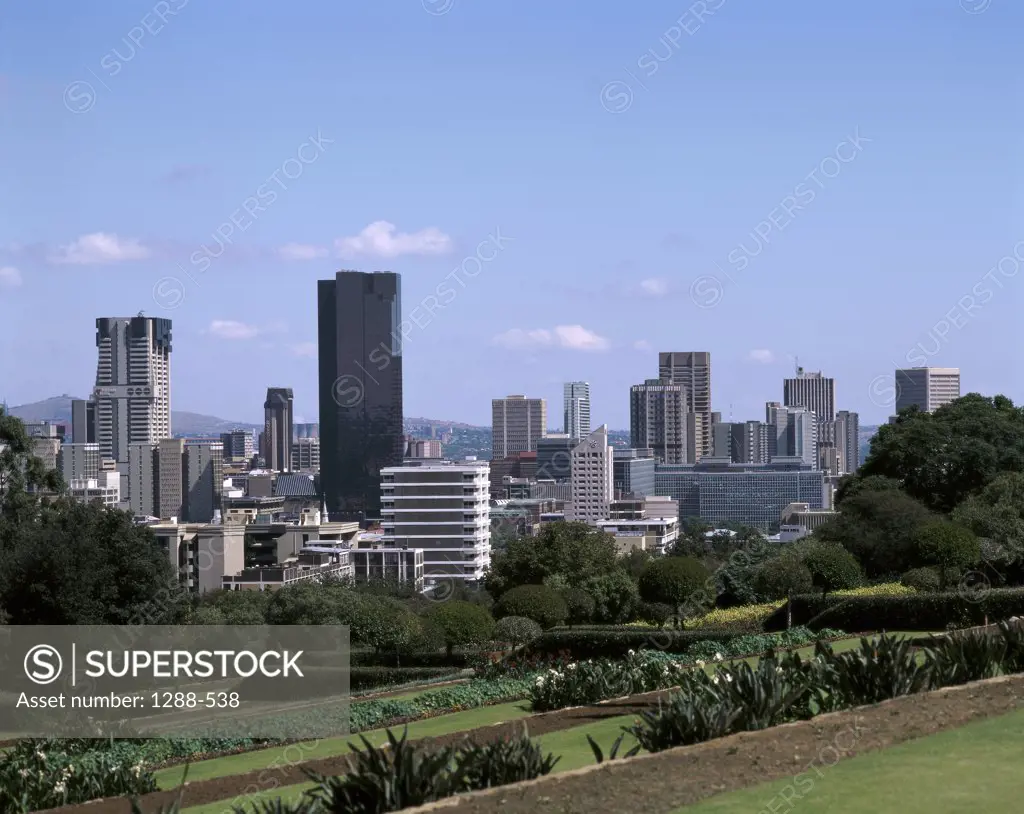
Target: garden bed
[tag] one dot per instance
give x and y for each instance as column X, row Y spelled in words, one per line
column 662, row 782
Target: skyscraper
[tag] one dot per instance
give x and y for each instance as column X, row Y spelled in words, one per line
column 657, row 420
column 83, row 421
column 592, row 479
column 577, row 409
column 360, row 377
column 848, row 440
column 692, row 370
column 517, row 423
column 797, row 434
column 811, row 390
column 929, row 388
column 133, row 384
column 278, row 429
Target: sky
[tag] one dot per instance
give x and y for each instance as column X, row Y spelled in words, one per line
column 565, row 188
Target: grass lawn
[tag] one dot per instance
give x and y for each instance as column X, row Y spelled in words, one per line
column 973, row 768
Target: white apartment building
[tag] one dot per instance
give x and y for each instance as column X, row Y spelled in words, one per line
column 593, row 478
column 79, row 462
column 929, row 388
column 442, row 507
column 658, row 535
column 105, row 487
column 576, row 398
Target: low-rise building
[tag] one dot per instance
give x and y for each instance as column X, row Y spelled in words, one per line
column 312, row 564
column 105, row 488
column 655, row 534
column 404, row 566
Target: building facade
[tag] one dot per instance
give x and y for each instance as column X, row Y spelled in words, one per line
column 204, row 479
column 658, row 420
column 306, row 455
column 633, row 472
column 927, row 388
column 813, row 391
column 104, row 489
column 238, row 445
column 576, row 408
column 79, row 461
column 360, row 378
column 404, row 566
column 133, row 384
column 593, row 478
column 278, row 428
column 517, row 424
column 423, row 448
column 444, row 509
column 83, row 421
column 692, row 370
column 554, row 457
column 848, row 440
column 171, row 479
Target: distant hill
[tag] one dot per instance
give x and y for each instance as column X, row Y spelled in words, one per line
column 58, row 408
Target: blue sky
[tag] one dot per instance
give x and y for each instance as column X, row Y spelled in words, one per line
column 595, row 181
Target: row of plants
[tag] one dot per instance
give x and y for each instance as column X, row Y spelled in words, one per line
column 589, row 682
column 740, row 698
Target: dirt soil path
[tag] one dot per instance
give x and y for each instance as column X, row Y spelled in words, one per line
column 663, row 782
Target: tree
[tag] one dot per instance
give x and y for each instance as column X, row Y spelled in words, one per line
column 655, row 613
column 636, row 561
column 997, row 513
column 947, row 546
column 574, row 551
column 942, row 458
column 391, row 628
column 783, row 578
column 516, row 630
column 671, row 581
column 537, row 602
column 460, row 624
column 922, row 579
column 615, row 597
column 832, row 567
column 579, row 606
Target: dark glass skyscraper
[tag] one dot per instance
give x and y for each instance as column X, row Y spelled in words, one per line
column 360, row 357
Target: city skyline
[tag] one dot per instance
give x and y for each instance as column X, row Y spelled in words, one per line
column 523, row 280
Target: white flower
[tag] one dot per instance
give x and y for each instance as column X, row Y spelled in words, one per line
column 701, row 662
column 59, row 788
column 631, row 653
column 778, row 670
column 24, row 772
column 40, row 755
column 718, row 656
column 728, row 678
column 714, row 679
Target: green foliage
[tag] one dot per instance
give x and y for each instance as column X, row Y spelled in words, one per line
column 579, row 606
column 965, row 655
column 783, row 577
column 461, row 623
column 883, row 668
column 516, row 630
column 655, row 613
column 574, row 551
column 501, row 762
column 832, row 568
column 672, row 580
column 613, row 753
column 538, row 602
column 921, row 579
column 997, row 514
column 367, row 678
column 942, row 458
column 947, row 546
column 686, row 718
column 615, row 597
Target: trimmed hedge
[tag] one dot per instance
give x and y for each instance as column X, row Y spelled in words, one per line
column 365, row 678
column 615, row 643
column 932, row 611
column 369, row 658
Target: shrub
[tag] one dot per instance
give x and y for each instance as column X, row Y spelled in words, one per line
column 881, row 589
column 963, row 656
column 672, row 580
column 536, row 602
column 655, row 613
column 686, row 718
column 367, row 678
column 743, row 617
column 369, row 658
column 579, row 606
column 947, row 546
column 921, row 579
column 500, row 762
column 782, row 578
column 615, row 642
column 516, row 630
column 832, row 568
column 460, row 623
column 881, row 669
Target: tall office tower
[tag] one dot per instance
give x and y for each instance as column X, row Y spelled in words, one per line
column 306, row 455
column 133, row 384
column 517, row 423
column 593, row 478
column 83, row 421
column 658, row 420
column 716, row 418
column 692, row 371
column 238, row 445
column 797, row 434
column 204, row 479
column 554, row 457
column 423, row 448
column 278, row 428
column 79, row 462
column 729, row 440
column 577, row 409
column 141, row 474
column 170, row 465
column 927, row 388
column 756, row 443
column 442, row 508
column 848, row 441
column 811, row 390
column 360, row 373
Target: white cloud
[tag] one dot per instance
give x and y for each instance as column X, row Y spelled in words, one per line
column 761, row 355
column 229, row 329
column 10, row 277
column 305, row 349
column 643, row 345
column 301, row 251
column 380, row 239
column 654, row 286
column 572, row 337
column 99, row 248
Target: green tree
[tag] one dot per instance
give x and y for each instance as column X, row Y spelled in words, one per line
column 783, row 578
column 635, row 562
column 516, row 630
column 997, row 513
column 574, row 551
column 832, row 567
column 391, row 628
column 922, row 579
column 655, row 613
column 537, row 602
column 671, row 581
column 942, row 458
column 460, row 624
column 580, row 606
column 947, row 546
column 615, row 597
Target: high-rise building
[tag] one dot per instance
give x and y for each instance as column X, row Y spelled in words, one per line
column 658, row 420
column 593, row 478
column 442, row 508
column 360, row 377
column 306, row 455
column 848, row 440
column 811, row 390
column 238, row 445
column 278, row 428
column 171, row 479
column 927, row 388
column 204, row 479
column 729, row 440
column 517, row 423
column 692, row 370
column 796, row 432
column 307, row 430
column 577, row 409
column 79, row 462
column 423, row 448
column 554, row 457
column 141, row 474
column 133, row 384
column 633, row 472
column 83, row 421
